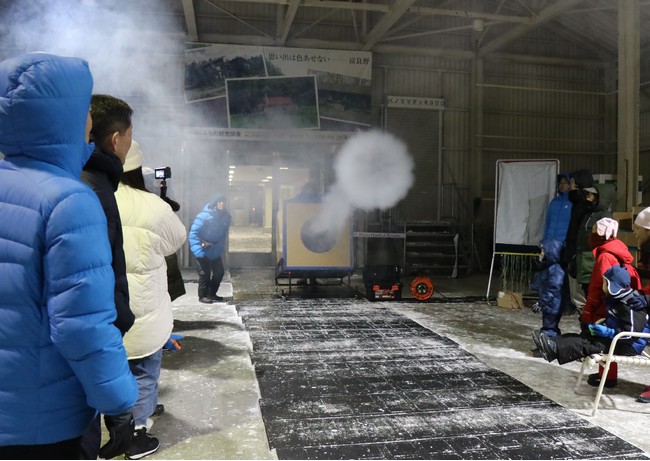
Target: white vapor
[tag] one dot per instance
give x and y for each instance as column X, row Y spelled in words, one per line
column 373, row 171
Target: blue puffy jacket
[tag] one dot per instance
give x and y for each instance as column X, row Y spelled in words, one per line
column 548, row 281
column 61, row 357
column 211, row 227
column 558, row 216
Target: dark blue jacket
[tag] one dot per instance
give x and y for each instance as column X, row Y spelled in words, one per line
column 548, row 281
column 558, row 216
column 628, row 313
column 61, row 357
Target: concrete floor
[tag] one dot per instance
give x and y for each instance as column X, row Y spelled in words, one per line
column 210, row 391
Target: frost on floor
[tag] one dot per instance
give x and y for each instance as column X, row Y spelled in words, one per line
column 342, row 379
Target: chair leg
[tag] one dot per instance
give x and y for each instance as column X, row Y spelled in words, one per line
column 582, row 373
column 602, row 385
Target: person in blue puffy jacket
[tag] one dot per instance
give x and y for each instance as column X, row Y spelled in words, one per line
column 207, row 238
column 558, row 214
column 61, row 357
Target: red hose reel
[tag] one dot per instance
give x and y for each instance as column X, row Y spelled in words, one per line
column 422, row 288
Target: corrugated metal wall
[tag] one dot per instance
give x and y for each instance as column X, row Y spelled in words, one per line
column 529, row 111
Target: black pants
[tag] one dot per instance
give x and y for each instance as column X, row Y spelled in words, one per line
column 572, row 346
column 211, row 273
column 91, row 439
column 66, row 449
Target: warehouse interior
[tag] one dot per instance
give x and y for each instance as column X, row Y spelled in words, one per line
column 466, row 85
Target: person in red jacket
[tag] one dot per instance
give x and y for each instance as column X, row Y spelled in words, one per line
column 608, row 251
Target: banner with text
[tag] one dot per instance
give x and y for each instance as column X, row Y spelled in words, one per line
column 257, row 87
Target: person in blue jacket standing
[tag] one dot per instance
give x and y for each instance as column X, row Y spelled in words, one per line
column 207, row 238
column 553, row 284
column 61, row 356
column 558, row 214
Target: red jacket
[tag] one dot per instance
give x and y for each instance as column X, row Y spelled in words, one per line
column 613, row 251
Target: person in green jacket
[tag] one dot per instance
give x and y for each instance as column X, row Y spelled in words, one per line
column 598, row 201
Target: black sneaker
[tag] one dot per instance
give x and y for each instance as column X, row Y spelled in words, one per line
column 205, row 300
column 142, row 445
column 216, row 298
column 546, row 346
column 159, row 410
column 594, row 380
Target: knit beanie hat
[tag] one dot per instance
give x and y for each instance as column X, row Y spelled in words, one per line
column 643, row 219
column 607, row 227
column 133, row 158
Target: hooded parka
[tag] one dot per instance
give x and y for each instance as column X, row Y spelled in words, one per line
column 61, row 357
column 211, row 226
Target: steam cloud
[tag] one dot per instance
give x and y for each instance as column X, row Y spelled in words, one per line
column 373, row 171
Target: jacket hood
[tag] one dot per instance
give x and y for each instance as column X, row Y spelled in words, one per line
column 606, row 195
column 583, row 178
column 552, row 249
column 212, row 204
column 44, row 102
column 617, row 248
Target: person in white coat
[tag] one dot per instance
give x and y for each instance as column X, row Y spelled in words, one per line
column 151, row 231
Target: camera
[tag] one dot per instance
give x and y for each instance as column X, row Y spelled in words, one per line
column 163, row 173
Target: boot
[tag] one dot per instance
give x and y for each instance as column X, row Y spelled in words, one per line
column 610, row 381
column 644, row 397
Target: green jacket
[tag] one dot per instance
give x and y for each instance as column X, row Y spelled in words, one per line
column 584, row 255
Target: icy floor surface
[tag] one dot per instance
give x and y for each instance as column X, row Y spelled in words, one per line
column 211, row 392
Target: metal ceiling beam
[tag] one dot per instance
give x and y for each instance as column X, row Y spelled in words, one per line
column 470, row 15
column 544, row 16
column 190, row 20
column 347, row 5
column 397, row 10
column 288, row 20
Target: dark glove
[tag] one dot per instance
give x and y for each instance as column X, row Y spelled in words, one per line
column 601, row 330
column 120, row 431
column 572, row 267
column 536, row 308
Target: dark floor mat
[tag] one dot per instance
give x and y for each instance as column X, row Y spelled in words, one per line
column 343, row 379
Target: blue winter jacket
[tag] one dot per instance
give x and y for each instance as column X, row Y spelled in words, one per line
column 558, row 216
column 61, row 357
column 210, row 227
column 548, row 281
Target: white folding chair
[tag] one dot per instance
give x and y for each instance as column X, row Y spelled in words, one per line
column 606, row 358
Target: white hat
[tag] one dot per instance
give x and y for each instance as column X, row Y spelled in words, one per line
column 643, row 218
column 133, row 158
column 607, row 227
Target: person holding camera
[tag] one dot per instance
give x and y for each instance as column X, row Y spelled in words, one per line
column 151, row 232
column 175, row 283
column 207, row 238
column 61, row 357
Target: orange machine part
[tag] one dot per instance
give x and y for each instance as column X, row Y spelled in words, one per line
column 422, row 288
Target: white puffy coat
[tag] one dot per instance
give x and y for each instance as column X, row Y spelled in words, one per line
column 151, row 232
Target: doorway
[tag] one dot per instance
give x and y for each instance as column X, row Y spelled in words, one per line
column 254, row 192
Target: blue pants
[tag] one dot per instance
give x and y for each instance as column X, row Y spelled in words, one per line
column 146, row 371
column 551, row 319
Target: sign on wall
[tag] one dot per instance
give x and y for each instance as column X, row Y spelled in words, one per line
column 257, row 87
